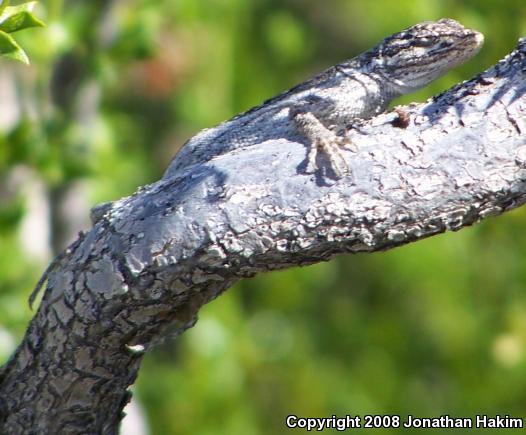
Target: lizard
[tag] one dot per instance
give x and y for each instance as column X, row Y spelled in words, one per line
column 318, row 111
column 315, row 110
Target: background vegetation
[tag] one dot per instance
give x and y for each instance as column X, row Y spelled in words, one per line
column 115, row 88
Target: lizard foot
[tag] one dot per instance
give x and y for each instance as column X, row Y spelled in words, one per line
column 323, row 140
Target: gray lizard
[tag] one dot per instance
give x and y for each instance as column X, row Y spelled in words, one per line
column 317, row 111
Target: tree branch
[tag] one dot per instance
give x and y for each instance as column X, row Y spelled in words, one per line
column 154, row 258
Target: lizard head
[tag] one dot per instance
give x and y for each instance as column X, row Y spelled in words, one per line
column 419, row 54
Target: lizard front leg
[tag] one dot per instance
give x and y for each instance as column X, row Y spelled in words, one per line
column 322, row 139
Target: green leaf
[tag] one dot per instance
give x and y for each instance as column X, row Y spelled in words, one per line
column 14, row 18
column 3, row 5
column 7, row 11
column 20, row 21
column 10, row 49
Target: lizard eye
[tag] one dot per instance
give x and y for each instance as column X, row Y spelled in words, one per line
column 445, row 44
column 424, row 42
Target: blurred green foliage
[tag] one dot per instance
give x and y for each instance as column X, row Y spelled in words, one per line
column 437, row 327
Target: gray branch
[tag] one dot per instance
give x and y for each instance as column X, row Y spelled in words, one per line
column 154, row 258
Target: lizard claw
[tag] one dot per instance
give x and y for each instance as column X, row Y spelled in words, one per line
column 331, row 151
column 323, row 140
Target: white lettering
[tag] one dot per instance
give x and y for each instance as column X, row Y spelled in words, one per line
column 437, row 422
column 319, row 424
column 291, row 421
column 506, row 422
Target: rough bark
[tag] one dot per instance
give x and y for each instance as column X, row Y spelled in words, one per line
column 157, row 256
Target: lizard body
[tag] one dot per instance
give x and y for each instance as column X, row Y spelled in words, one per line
column 315, row 111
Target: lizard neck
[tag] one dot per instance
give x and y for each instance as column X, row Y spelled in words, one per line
column 388, row 89
column 392, row 86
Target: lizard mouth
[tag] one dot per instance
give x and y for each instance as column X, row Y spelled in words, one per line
column 467, row 48
column 473, row 40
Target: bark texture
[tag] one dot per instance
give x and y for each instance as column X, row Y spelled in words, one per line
column 154, row 258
